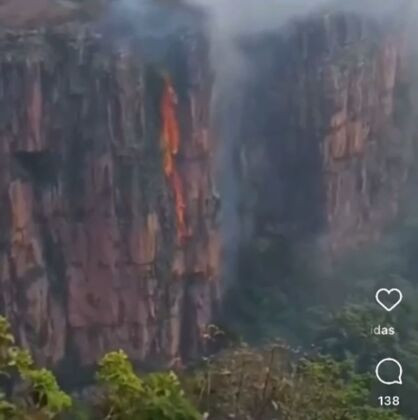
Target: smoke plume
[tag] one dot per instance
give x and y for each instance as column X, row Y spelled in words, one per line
column 227, row 22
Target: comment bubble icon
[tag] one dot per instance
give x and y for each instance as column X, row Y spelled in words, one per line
column 389, row 372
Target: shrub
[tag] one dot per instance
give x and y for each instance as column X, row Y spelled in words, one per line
column 157, row 396
column 277, row 383
column 39, row 395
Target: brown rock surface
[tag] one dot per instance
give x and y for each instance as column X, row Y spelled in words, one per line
column 24, row 13
column 91, row 258
column 333, row 158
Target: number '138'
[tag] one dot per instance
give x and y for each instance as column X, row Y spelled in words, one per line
column 388, row 401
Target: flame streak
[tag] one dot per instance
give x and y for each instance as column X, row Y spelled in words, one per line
column 170, row 140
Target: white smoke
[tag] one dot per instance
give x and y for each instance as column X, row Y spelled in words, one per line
column 226, row 23
column 238, row 17
column 229, row 22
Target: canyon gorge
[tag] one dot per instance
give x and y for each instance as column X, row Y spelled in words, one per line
column 112, row 221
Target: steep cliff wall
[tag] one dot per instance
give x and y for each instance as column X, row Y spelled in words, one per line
column 331, row 109
column 109, row 232
column 108, row 235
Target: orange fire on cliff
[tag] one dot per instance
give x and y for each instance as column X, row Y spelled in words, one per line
column 170, row 139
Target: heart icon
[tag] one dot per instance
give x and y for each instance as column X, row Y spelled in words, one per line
column 393, row 296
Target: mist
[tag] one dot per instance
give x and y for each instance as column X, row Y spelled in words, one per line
column 226, row 23
column 229, row 21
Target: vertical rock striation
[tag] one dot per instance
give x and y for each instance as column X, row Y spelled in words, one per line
column 334, row 130
column 109, row 234
column 103, row 164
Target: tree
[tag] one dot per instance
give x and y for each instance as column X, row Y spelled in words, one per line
column 157, row 396
column 275, row 382
column 39, row 395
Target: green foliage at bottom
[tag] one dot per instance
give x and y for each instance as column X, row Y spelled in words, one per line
column 271, row 382
column 275, row 383
column 157, row 396
column 39, row 396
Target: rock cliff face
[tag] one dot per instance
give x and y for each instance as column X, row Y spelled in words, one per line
column 330, row 106
column 109, row 233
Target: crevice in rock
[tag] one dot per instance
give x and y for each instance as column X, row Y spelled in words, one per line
column 40, row 166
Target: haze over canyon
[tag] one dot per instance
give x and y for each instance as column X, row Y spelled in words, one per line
column 142, row 151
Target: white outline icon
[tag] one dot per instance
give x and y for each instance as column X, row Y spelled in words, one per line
column 388, row 292
column 398, row 381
